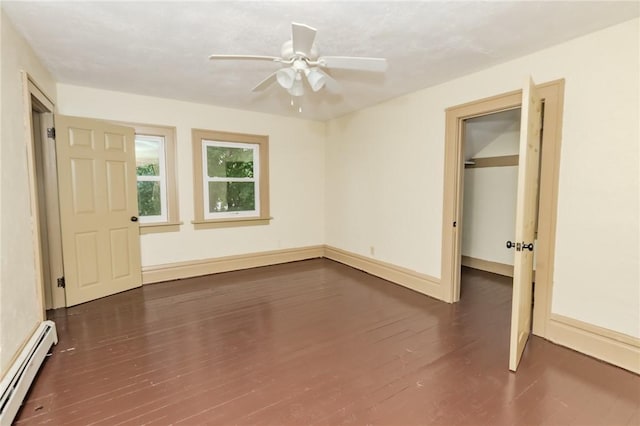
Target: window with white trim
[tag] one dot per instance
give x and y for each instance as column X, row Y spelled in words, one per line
column 231, row 178
column 151, row 178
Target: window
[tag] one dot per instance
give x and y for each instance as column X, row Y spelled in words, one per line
column 231, row 185
column 155, row 170
column 230, row 179
column 152, row 178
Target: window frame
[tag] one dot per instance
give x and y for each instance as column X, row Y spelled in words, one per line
column 202, row 218
column 171, row 222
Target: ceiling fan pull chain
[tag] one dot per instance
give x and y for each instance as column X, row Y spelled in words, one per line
column 296, row 104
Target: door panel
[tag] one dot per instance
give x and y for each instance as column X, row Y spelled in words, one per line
column 82, row 181
column 97, row 181
column 117, row 186
column 526, row 219
column 87, row 258
column 120, row 252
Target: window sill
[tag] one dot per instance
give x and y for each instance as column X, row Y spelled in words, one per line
column 230, row 223
column 153, row 228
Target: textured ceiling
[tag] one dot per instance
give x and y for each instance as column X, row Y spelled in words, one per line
column 161, row 48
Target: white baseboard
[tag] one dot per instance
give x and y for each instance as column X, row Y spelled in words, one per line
column 194, row 268
column 607, row 345
column 487, row 265
column 402, row 276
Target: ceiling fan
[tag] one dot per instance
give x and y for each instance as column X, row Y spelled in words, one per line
column 299, row 57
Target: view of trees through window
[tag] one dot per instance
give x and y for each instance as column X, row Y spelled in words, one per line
column 150, row 177
column 231, row 183
column 149, row 191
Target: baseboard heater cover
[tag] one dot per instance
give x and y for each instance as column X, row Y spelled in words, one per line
column 18, row 379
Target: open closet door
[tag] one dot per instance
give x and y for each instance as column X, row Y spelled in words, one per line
column 98, row 208
column 526, row 221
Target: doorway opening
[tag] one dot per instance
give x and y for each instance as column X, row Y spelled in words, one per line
column 491, row 147
column 551, row 96
column 41, row 159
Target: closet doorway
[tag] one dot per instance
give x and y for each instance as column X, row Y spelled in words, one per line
column 533, row 100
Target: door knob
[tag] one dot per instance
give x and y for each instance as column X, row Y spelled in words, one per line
column 134, row 218
column 527, row 246
column 510, row 244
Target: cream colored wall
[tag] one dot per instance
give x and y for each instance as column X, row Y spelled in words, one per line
column 489, row 213
column 296, row 156
column 19, row 307
column 385, row 166
column 489, row 207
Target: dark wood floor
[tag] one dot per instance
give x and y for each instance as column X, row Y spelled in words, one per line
column 314, row 342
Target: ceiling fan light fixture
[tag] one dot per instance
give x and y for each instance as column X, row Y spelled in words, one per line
column 297, row 89
column 300, row 56
column 316, row 78
column 286, row 77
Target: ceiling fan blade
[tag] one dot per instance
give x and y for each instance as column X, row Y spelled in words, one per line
column 246, row 58
column 353, row 63
column 265, row 83
column 302, row 37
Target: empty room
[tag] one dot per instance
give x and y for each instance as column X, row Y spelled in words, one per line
column 320, row 212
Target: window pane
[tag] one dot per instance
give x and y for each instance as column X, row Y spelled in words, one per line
column 149, row 198
column 229, row 162
column 148, row 155
column 231, row 196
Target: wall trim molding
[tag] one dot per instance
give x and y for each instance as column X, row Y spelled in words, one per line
column 194, row 268
column 488, row 265
column 607, row 345
column 413, row 280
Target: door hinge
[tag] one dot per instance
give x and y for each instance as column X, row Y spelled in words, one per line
column 51, row 132
column 61, row 282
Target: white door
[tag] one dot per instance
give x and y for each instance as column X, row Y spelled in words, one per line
column 526, row 221
column 98, row 208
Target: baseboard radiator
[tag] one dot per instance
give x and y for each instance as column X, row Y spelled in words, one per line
column 16, row 383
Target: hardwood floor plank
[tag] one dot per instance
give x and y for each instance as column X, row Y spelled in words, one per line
column 319, row 343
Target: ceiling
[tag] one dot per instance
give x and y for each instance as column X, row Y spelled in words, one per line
column 162, row 48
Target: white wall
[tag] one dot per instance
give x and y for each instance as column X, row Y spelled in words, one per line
column 296, row 167
column 19, row 306
column 489, row 205
column 385, row 174
column 505, row 143
column 489, row 213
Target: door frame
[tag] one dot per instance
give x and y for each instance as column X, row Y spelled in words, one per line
column 36, row 100
column 552, row 94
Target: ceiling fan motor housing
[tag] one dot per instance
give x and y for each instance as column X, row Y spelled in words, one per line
column 288, row 53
